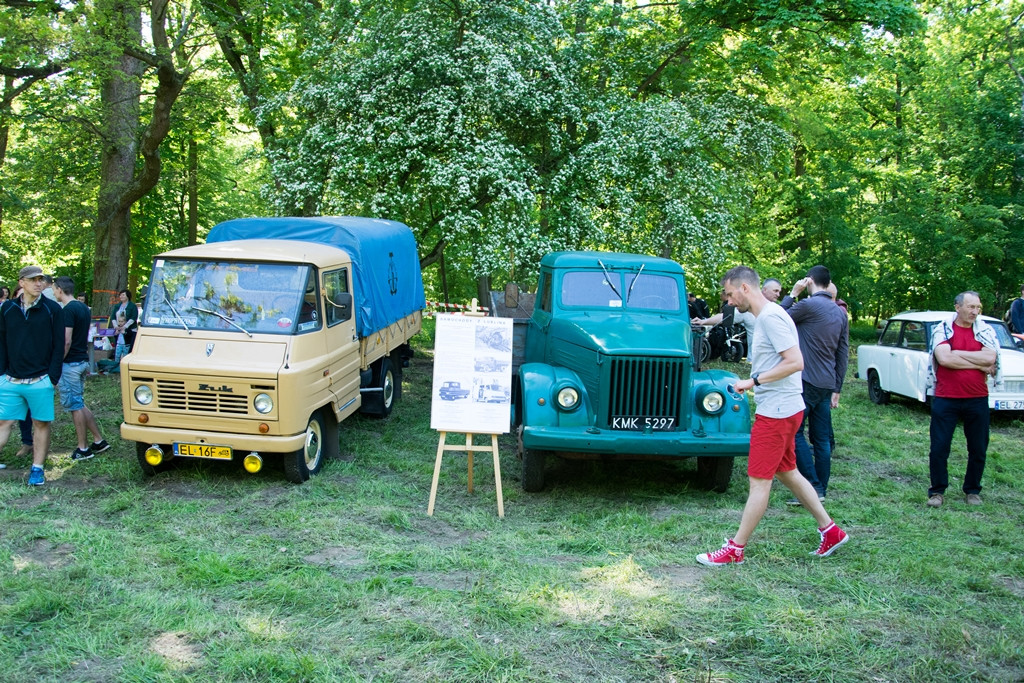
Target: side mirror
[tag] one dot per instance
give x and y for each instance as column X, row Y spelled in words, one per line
column 340, row 306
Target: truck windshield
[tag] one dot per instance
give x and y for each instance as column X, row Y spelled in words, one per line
column 646, row 290
column 264, row 298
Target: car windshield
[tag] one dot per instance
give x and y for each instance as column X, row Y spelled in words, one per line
column 265, row 298
column 1006, row 339
column 595, row 289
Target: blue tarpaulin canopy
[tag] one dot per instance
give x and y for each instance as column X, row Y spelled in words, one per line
column 385, row 262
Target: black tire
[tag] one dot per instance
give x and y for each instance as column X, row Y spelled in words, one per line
column 300, row 464
column 533, row 470
column 705, row 350
column 875, row 392
column 147, row 469
column 388, row 378
column 732, row 352
column 713, row 473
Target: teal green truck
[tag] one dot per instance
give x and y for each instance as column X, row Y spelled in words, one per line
column 605, row 369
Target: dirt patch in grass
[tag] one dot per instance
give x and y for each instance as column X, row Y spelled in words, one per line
column 337, row 556
column 1012, row 584
column 448, row 581
column 43, row 553
column 440, row 532
column 95, row 669
column 177, row 649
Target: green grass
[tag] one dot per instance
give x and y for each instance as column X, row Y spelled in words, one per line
column 207, row 573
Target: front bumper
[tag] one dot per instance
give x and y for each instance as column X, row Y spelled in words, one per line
column 630, row 443
column 238, row 442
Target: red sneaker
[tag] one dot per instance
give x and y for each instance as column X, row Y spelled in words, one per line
column 730, row 553
column 831, row 538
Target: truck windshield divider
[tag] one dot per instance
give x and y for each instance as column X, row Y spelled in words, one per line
column 629, row 292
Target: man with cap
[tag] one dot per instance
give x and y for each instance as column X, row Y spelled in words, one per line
column 31, row 358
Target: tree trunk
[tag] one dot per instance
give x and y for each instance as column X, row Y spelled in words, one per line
column 193, row 190
column 119, row 99
column 483, row 290
column 122, row 181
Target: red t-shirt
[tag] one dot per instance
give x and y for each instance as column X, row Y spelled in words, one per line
column 950, row 383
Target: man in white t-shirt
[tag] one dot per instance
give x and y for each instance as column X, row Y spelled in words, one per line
column 776, row 362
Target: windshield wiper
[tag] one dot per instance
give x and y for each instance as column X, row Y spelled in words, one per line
column 223, row 317
column 629, row 292
column 174, row 310
column 608, row 279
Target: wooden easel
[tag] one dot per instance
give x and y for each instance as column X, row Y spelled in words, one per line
column 469, row 448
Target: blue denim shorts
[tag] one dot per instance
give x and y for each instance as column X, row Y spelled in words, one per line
column 17, row 399
column 72, row 385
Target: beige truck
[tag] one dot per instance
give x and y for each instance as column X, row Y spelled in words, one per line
column 257, row 344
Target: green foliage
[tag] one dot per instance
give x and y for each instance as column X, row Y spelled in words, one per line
column 882, row 138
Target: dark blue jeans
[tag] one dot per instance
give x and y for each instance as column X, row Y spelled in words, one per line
column 817, row 466
column 946, row 412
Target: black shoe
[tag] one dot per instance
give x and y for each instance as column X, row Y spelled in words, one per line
column 99, row 446
column 79, row 454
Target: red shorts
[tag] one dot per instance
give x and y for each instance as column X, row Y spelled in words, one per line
column 773, row 445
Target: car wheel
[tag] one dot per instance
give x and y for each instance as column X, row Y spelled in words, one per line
column 713, row 473
column 705, row 350
column 147, row 469
column 875, row 392
column 300, row 464
column 387, row 379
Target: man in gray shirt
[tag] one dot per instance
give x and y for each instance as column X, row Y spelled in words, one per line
column 825, row 344
column 776, row 362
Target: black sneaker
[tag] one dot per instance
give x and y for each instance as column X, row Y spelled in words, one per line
column 99, row 446
column 80, row 454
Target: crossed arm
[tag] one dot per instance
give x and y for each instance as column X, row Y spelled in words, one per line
column 984, row 360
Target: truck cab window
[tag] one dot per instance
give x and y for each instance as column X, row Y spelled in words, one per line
column 337, row 301
column 309, row 313
column 544, row 287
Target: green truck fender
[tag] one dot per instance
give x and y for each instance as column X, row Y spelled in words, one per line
column 735, row 414
column 540, row 384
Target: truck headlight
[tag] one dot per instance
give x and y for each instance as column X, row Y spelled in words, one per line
column 567, row 398
column 143, row 395
column 712, row 402
column 263, row 403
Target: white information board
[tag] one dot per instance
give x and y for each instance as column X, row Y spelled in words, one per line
column 472, row 389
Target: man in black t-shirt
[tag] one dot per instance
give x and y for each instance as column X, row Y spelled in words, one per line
column 76, row 365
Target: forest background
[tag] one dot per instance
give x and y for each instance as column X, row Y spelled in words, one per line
column 884, row 139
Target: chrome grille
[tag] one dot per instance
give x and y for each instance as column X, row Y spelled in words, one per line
column 173, row 395
column 649, row 387
column 1014, row 386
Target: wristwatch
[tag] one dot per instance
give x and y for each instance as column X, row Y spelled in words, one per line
column 754, row 377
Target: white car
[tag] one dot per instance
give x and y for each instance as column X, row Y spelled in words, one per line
column 898, row 363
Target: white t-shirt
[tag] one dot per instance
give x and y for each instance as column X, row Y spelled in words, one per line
column 773, row 334
column 749, row 322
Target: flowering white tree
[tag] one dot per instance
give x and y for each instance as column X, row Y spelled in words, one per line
column 485, row 126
